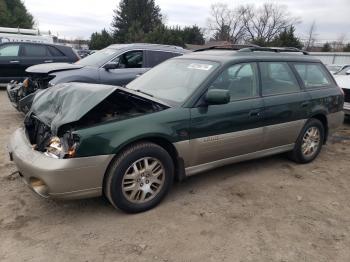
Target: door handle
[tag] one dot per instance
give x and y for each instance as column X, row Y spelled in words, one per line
column 48, row 61
column 14, row 62
column 255, row 113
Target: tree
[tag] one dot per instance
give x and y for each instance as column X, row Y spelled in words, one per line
column 264, row 23
column 135, row 17
column 13, row 13
column 249, row 23
column 346, row 48
column 338, row 45
column 287, row 38
column 311, row 37
column 226, row 24
column 326, row 47
column 175, row 36
column 193, row 35
column 100, row 40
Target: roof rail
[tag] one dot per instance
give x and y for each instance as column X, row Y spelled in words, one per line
column 226, row 47
column 274, row 49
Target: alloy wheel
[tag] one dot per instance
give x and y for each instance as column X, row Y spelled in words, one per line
column 311, row 141
column 143, row 180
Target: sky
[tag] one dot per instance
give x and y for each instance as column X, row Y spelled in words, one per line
column 80, row 18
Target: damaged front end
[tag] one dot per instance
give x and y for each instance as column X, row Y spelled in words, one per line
column 22, row 94
column 42, row 139
column 57, row 113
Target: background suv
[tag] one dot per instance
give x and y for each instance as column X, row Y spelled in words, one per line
column 16, row 57
column 114, row 65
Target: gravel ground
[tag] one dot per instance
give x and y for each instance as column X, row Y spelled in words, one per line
column 263, row 210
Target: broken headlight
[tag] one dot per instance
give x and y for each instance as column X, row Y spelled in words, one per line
column 60, row 148
column 26, row 83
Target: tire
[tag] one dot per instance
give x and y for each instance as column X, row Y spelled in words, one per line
column 302, row 152
column 132, row 187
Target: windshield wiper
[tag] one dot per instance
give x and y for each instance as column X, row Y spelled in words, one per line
column 140, row 91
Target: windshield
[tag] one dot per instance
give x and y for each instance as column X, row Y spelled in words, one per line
column 99, row 58
column 174, row 80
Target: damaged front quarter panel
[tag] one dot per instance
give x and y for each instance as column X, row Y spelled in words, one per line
column 56, row 113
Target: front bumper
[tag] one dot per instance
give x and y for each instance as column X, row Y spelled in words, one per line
column 57, row 178
column 19, row 100
column 347, row 108
column 12, row 92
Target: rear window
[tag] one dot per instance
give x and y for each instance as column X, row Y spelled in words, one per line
column 312, row 74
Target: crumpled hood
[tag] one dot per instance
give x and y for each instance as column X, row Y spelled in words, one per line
column 64, row 104
column 51, row 67
column 69, row 102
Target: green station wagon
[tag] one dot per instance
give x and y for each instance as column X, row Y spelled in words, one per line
column 189, row 114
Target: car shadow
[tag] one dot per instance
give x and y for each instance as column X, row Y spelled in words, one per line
column 202, row 181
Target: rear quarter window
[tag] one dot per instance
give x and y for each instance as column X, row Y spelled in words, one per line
column 54, row 51
column 157, row 57
column 313, row 75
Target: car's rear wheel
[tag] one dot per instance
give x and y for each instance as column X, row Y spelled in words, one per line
column 139, row 177
column 309, row 142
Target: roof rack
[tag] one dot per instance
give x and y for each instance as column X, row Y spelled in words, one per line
column 274, row 49
column 226, row 47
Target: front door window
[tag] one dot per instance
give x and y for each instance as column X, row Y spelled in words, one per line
column 131, row 59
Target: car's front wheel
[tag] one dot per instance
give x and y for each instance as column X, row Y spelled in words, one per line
column 139, row 177
column 309, row 143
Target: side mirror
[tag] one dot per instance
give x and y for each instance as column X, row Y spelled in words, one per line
column 217, row 97
column 111, row 65
column 347, row 72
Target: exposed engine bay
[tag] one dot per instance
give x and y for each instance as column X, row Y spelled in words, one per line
column 117, row 106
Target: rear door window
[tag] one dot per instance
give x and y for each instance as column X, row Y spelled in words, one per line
column 240, row 79
column 9, row 50
column 156, row 57
column 313, row 75
column 35, row 51
column 277, row 78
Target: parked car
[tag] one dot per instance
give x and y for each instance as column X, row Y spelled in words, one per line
column 114, row 65
column 343, row 80
column 187, row 115
column 16, row 57
column 334, row 69
column 83, row 53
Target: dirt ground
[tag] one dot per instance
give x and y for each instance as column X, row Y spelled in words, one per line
column 263, row 210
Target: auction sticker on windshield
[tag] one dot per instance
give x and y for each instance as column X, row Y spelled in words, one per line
column 205, row 67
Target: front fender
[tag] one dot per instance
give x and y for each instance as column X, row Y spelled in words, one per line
column 85, row 75
column 109, row 138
